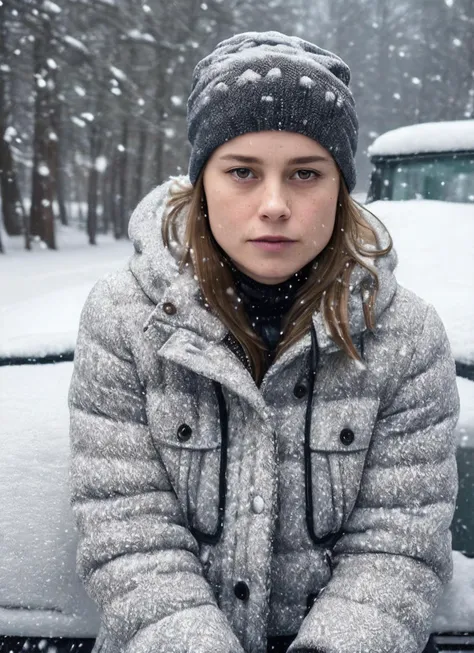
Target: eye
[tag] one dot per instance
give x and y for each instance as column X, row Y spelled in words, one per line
column 241, row 173
column 305, row 175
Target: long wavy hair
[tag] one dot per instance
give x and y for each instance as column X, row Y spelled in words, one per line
column 353, row 242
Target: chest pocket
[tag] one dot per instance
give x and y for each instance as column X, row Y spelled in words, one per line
column 190, row 434
column 339, row 439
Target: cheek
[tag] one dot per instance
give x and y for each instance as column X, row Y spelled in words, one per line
column 226, row 216
column 323, row 216
column 217, row 211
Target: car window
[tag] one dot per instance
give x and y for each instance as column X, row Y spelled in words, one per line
column 450, row 179
column 445, row 177
column 463, row 523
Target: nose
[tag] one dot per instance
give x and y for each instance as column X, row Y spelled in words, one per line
column 274, row 202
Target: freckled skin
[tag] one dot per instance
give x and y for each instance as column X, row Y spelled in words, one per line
column 272, row 197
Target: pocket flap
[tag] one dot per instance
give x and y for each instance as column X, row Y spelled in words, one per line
column 200, row 438
column 332, row 418
column 184, row 420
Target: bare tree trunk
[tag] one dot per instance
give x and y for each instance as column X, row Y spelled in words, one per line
column 61, row 194
column 106, row 195
column 123, row 165
column 80, row 194
column 466, row 36
column 41, row 216
column 92, row 205
column 159, row 150
column 114, row 196
column 118, row 185
column 160, row 99
column 59, row 167
column 139, row 163
column 12, row 209
column 97, row 141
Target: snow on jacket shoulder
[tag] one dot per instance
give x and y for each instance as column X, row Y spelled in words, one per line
column 211, row 516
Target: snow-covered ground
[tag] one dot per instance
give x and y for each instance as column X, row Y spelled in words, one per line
column 40, row 594
column 456, row 609
column 42, row 291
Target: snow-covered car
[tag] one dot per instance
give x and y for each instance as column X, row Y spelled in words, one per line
column 433, row 161
column 42, row 603
column 422, row 188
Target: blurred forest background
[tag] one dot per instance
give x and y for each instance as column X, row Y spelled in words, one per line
column 93, row 92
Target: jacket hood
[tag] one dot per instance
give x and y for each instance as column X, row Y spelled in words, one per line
column 156, row 270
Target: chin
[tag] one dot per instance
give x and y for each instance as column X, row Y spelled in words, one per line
column 268, row 278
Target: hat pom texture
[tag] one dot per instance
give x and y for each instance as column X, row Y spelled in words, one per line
column 259, row 81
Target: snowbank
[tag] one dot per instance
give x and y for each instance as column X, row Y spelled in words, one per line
column 447, row 136
column 435, row 246
column 40, row 594
column 42, row 299
column 456, row 610
column 465, row 426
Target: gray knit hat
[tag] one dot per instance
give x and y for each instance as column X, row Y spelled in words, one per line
column 260, row 81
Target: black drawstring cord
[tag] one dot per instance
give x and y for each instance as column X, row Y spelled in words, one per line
column 213, row 538
column 313, row 366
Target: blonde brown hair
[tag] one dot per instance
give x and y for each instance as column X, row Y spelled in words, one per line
column 327, row 288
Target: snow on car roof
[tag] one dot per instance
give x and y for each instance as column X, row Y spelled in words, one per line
column 448, row 136
column 434, row 242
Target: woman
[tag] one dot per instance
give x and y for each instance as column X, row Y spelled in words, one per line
column 262, row 420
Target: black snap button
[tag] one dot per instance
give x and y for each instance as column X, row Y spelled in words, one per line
column 241, row 590
column 300, row 390
column 184, row 432
column 169, row 308
column 347, row 436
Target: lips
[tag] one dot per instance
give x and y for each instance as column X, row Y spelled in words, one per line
column 273, row 239
column 273, row 244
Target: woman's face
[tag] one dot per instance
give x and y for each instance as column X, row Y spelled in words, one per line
column 272, row 199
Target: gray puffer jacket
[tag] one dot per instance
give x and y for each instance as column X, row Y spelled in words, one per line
column 213, row 513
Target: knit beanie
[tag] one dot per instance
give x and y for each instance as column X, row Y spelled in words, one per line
column 258, row 81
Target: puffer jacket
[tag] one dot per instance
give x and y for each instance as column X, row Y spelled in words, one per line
column 213, row 513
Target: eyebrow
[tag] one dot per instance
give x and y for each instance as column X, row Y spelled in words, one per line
column 252, row 159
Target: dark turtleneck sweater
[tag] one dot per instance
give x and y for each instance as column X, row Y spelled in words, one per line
column 266, row 305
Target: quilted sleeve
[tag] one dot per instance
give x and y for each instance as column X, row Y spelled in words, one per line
column 137, row 560
column 394, row 559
